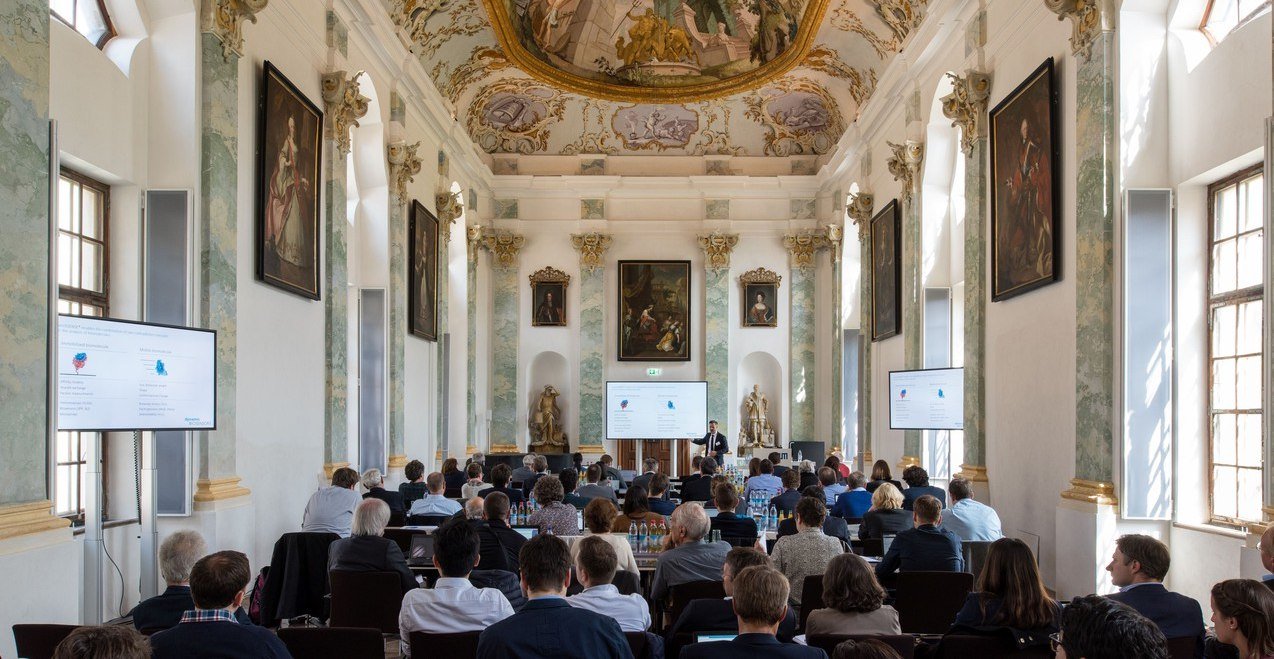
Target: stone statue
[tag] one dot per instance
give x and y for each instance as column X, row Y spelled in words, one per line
column 756, row 406
column 546, row 423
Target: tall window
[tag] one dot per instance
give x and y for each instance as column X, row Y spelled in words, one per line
column 1224, row 16
column 88, row 17
column 83, row 207
column 1235, row 299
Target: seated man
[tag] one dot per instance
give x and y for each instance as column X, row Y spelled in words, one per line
column 808, row 475
column 595, row 567
column 775, row 457
column 787, row 500
column 595, row 489
column 217, row 585
column 94, row 641
column 730, row 524
column 1138, row 567
column 548, row 627
column 177, row 555
column 651, row 467
column 365, row 550
column 540, row 469
column 854, row 502
column 435, row 503
column 832, row 487
column 833, row 526
column 524, row 473
column 917, row 480
column 453, row 604
column 765, row 481
column 686, row 556
column 374, row 482
column 609, row 472
column 760, row 604
column 927, row 547
column 969, row 519
column 659, row 503
column 500, row 475
column 700, row 489
column 500, row 544
column 1099, row 628
column 570, row 480
column 331, row 509
column 712, row 615
column 695, row 463
column 414, row 489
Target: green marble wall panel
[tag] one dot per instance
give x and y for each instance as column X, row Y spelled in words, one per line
column 838, row 350
column 912, row 301
column 336, row 308
column 24, row 255
column 717, row 343
column 397, row 324
column 471, row 347
column 592, row 345
column 504, row 356
column 1094, row 268
column 219, row 229
column 866, row 349
column 975, row 269
column 444, row 305
column 802, row 364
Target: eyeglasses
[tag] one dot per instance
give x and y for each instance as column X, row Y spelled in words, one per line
column 1055, row 641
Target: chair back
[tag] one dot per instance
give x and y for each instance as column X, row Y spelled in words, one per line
column 366, row 599
column 297, row 580
column 928, row 602
column 461, row 645
column 811, row 597
column 869, row 547
column 1182, row 647
column 39, row 641
column 739, row 541
column 974, row 552
column 683, row 594
column 452, row 493
column 345, row 642
column 397, row 517
column 401, row 537
column 989, row 647
column 427, row 520
column 637, row 642
column 903, row 644
column 628, row 583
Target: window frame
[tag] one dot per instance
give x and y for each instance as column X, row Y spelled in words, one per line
column 1207, row 14
column 106, row 19
column 1211, row 302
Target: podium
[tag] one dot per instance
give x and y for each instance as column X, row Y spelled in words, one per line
column 814, row 451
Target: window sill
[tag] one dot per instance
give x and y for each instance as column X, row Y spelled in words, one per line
column 1212, row 529
column 109, row 525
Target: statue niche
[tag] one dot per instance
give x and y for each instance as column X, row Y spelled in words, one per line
column 546, row 424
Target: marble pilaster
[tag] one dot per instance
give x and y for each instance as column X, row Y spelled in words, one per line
column 505, row 293
column 447, row 207
column 861, row 205
column 717, row 247
column 802, row 248
column 592, row 377
column 835, row 242
column 905, row 167
column 473, row 241
column 404, row 164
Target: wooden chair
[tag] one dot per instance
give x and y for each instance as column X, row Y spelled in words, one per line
column 903, row 644
column 34, row 641
column 683, row 594
column 462, row 645
column 346, row 642
column 988, row 647
column 366, row 599
column 811, row 597
column 1182, row 647
column 928, row 602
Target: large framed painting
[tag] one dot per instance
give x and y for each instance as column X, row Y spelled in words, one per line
column 289, row 144
column 760, row 297
column 548, row 295
column 422, row 286
column 654, row 311
column 886, row 272
column 1025, row 187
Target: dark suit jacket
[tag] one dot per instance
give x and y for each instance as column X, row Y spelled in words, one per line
column 808, row 478
column 644, row 481
column 746, row 646
column 888, row 521
column 510, row 540
column 715, row 448
column 833, row 526
column 779, row 469
column 217, row 640
column 392, row 499
column 925, row 548
column 717, row 615
column 699, row 489
column 576, row 500
column 515, row 496
column 164, row 610
column 787, row 500
column 731, row 525
column 910, row 495
column 871, row 487
column 552, row 629
column 613, row 474
column 370, row 553
column 529, row 484
column 411, row 492
column 455, row 480
column 662, row 507
column 1176, row 615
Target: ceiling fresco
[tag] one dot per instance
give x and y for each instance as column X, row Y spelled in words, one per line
column 668, row 77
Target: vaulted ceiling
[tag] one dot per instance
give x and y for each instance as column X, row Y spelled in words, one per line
column 642, row 77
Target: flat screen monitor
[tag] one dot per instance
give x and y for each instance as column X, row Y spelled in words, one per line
column 710, row 637
column 527, row 532
column 930, row 399
column 656, row 410
column 117, row 375
column 422, row 549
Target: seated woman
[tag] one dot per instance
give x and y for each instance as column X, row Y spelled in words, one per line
column 599, row 514
column 451, row 474
column 727, row 522
column 1243, row 612
column 886, row 516
column 553, row 515
column 636, row 511
column 880, row 475
column 365, row 550
column 475, row 484
column 1010, row 592
column 854, row 599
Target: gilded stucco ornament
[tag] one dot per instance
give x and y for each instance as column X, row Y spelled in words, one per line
column 902, row 16
column 1089, row 18
column 860, row 207
column 904, row 163
column 404, row 165
column 504, row 246
column 345, row 106
column 965, row 106
column 717, row 247
column 592, row 249
column 224, row 19
column 802, row 246
column 449, row 208
column 473, row 235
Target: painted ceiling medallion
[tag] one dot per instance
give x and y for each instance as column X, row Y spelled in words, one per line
column 656, row 51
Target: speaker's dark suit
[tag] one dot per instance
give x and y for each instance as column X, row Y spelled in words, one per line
column 552, row 629
column 926, row 548
column 716, row 442
column 1176, row 615
column 746, row 646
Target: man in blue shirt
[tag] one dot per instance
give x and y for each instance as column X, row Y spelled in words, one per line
column 969, row 519
column 855, row 502
column 658, row 491
column 435, row 503
column 832, row 487
column 766, row 481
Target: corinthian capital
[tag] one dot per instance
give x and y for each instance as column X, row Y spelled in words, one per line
column 404, row 165
column 904, row 163
column 449, row 208
column 504, row 246
column 965, row 106
column 592, row 249
column 802, row 247
column 1089, row 18
column 717, row 247
column 224, row 19
column 345, row 106
column 860, row 207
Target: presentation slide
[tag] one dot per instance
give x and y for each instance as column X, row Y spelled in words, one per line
column 926, row 400
column 120, row 375
column 656, row 410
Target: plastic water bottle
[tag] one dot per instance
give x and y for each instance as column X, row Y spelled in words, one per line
column 799, row 458
column 774, row 520
column 643, row 538
column 632, row 536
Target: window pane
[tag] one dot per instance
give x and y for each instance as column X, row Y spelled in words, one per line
column 65, row 9
column 1249, row 494
column 1249, row 326
column 92, row 213
column 92, row 267
column 76, row 209
column 65, row 486
column 89, row 20
column 1249, row 454
column 1223, row 384
column 1254, row 197
column 66, row 244
column 1250, row 261
column 1223, row 427
column 1223, row 267
column 1248, row 388
column 1224, row 329
column 1224, row 491
column 65, row 211
column 1226, row 211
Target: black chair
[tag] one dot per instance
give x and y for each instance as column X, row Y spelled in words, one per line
column 628, row 583
column 1182, row 647
column 401, row 537
column 346, row 642
column 462, row 645
column 974, row 552
column 988, row 647
column 739, row 541
column 683, row 594
column 397, row 517
column 427, row 520
column 366, row 599
column 928, row 602
column 34, row 641
column 637, row 643
column 811, row 597
column 869, row 547
column 903, row 644
column 296, row 583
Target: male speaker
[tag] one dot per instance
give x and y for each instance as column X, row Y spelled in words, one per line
column 714, row 444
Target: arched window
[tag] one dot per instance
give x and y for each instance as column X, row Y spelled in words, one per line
column 88, row 17
column 1225, row 16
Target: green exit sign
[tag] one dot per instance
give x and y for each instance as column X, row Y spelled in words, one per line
column 652, row 372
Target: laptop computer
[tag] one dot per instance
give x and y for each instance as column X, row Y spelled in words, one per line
column 421, row 553
column 527, row 532
column 708, row 637
column 885, row 541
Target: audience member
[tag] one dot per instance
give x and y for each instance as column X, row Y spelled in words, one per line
column 695, row 464
column 1138, row 567
column 636, row 510
column 864, row 648
column 610, row 472
column 927, row 547
column 595, row 564
column 366, row 551
column 832, row 526
column 787, row 500
column 177, row 554
column 435, row 503
column 1010, row 592
column 833, row 462
column 700, row 489
column 474, row 510
column 832, row 487
column 970, row 520
column 775, row 459
column 374, row 483
column 880, row 475
column 570, row 481
column 730, row 524
column 524, row 473
column 1095, row 627
column 598, row 516
column 754, row 468
column 760, row 604
column 218, row 583
column 686, row 556
column 765, row 481
column 650, row 467
column 331, row 509
column 453, row 605
column 594, row 489
column 886, row 516
column 808, row 475
column 1266, row 546
column 553, row 516
column 474, row 484
column 547, row 626
column 717, row 615
column 917, row 480
column 503, row 542
column 659, row 502
column 577, row 461
column 500, row 476
column 414, row 489
column 854, row 599
column 1243, row 613
column 809, row 551
column 856, row 500
column 478, row 457
column 103, row 642
column 452, row 476
column 841, row 468
column 540, row 465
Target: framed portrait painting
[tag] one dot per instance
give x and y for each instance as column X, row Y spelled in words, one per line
column 422, row 284
column 760, row 290
column 289, row 144
column 548, row 297
column 1025, row 187
column 886, row 272
column 654, row 311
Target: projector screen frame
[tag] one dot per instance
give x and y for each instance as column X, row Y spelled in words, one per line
column 606, row 415
column 55, row 377
column 890, row 402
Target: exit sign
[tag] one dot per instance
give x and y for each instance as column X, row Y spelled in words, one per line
column 652, row 372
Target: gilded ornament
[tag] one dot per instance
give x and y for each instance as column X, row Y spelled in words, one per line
column 717, row 247
column 224, row 19
column 504, row 246
column 966, row 106
column 549, row 275
column 592, row 249
column 450, row 208
column 761, row 276
column 345, row 106
column 904, row 164
column 1089, row 18
column 802, row 246
column 860, row 207
column 404, row 165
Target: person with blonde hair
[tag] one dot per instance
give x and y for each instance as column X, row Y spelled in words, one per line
column 886, row 516
column 365, row 550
